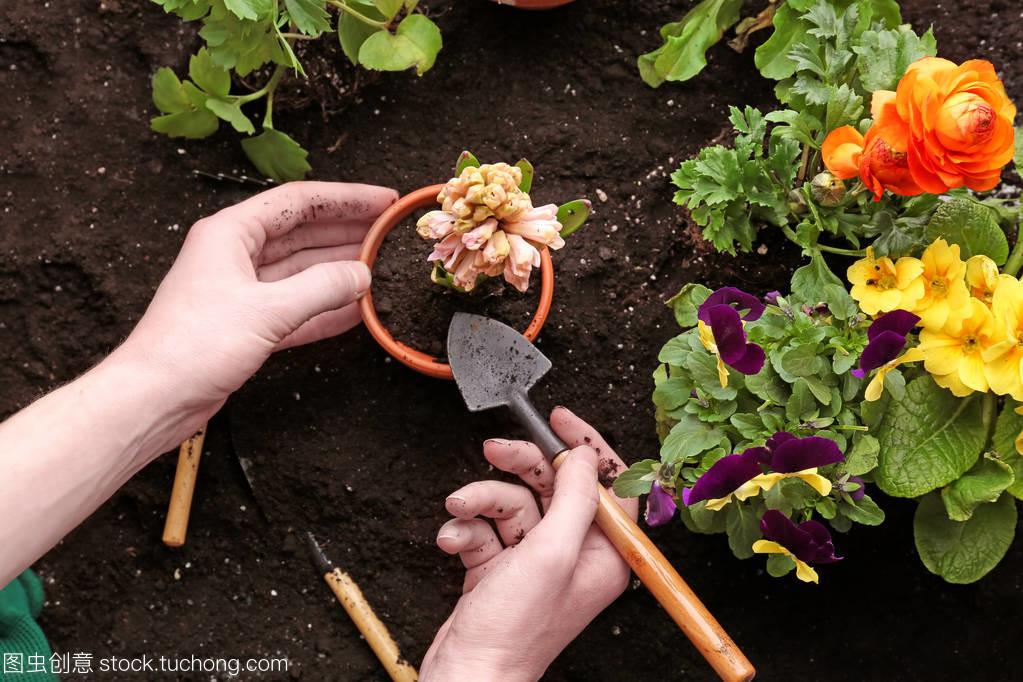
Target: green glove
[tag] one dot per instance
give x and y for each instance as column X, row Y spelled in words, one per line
column 20, row 636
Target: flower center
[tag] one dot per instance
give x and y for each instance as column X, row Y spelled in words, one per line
column 969, row 343
column 939, row 287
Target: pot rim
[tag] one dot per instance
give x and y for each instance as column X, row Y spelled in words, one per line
column 408, row 356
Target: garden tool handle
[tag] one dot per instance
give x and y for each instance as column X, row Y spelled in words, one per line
column 176, row 526
column 670, row 590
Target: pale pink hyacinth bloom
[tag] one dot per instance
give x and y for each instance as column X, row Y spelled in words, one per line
column 435, row 225
column 447, row 250
column 477, row 237
column 538, row 225
column 522, row 258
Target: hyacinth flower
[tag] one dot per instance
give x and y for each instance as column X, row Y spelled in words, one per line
column 808, row 543
column 487, row 225
column 660, row 506
column 886, row 339
column 722, row 333
column 742, row 475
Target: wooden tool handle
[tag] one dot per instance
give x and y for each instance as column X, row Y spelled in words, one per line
column 176, row 526
column 668, row 587
column 375, row 632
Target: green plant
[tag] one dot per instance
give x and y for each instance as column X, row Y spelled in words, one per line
column 242, row 36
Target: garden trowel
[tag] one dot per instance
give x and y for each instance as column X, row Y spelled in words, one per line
column 494, row 365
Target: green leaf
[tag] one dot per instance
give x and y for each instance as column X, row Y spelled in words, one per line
column 963, row 551
column 309, row 16
column 682, row 55
column 816, row 282
column 388, row 8
column 820, row 390
column 689, row 438
column 277, row 156
column 699, row 519
column 415, row 42
column 1007, row 429
column 772, row 56
column 779, row 565
column 704, row 369
column 767, row 385
column 928, row 439
column 844, row 107
column 800, row 126
column 571, row 215
column 983, row 483
column 884, row 55
column 527, row 177
column 864, row 511
column 801, row 405
column 743, row 527
column 971, row 225
column 1018, row 157
column 232, row 113
column 637, row 479
column 799, row 360
column 465, row 160
column 862, row 459
column 216, row 81
column 187, row 115
column 750, row 426
column 686, row 304
column 248, row 9
column 673, row 392
column 352, row 32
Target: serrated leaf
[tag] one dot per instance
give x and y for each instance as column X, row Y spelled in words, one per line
column 309, row 16
column 689, row 438
column 1018, row 157
column 277, row 156
column 216, row 81
column 686, row 303
column 1008, row 428
column 527, row 176
column 985, row 482
column 232, row 113
column 800, row 126
column 248, row 9
column 187, row 115
column 772, row 56
column 884, row 55
column 572, row 215
column 963, row 551
column 927, row 439
column 844, row 107
column 682, row 55
column 415, row 42
column 637, row 479
column 971, row 225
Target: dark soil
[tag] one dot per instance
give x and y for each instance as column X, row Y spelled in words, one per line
column 361, row 450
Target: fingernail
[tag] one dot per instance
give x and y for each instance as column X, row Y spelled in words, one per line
column 498, row 441
column 363, row 277
column 447, row 536
column 456, row 497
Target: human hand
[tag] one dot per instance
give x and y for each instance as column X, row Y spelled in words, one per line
column 531, row 591
column 274, row 271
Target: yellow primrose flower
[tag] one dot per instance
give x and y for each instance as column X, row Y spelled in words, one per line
column 1003, row 361
column 945, row 292
column 982, row 278
column 880, row 285
column 954, row 353
column 876, row 385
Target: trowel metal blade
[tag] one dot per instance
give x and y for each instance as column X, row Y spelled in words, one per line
column 491, row 361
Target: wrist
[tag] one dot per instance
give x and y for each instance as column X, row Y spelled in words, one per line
column 454, row 660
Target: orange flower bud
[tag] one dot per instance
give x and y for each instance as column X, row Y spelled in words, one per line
column 841, row 152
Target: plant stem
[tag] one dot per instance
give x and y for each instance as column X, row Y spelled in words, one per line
column 361, row 17
column 857, row 253
column 988, row 410
column 298, row 36
column 271, row 86
column 802, row 165
column 1012, row 265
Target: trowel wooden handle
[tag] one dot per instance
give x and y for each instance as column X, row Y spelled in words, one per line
column 670, row 589
column 375, row 632
column 176, row 526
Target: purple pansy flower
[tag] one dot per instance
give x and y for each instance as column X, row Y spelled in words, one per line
column 771, row 297
column 807, row 543
column 886, row 339
column 742, row 475
column 660, row 506
column 721, row 331
column 847, row 486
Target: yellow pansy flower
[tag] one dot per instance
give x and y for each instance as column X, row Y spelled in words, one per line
column 881, row 285
column 876, row 385
column 945, row 292
column 954, row 353
column 1003, row 361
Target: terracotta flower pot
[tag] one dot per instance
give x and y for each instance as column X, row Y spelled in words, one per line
column 417, row 360
column 533, row 4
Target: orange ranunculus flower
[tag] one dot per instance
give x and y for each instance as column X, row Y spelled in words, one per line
column 883, row 168
column 841, row 152
column 953, row 123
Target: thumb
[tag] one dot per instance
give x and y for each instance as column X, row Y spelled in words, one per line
column 318, row 289
column 573, row 505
